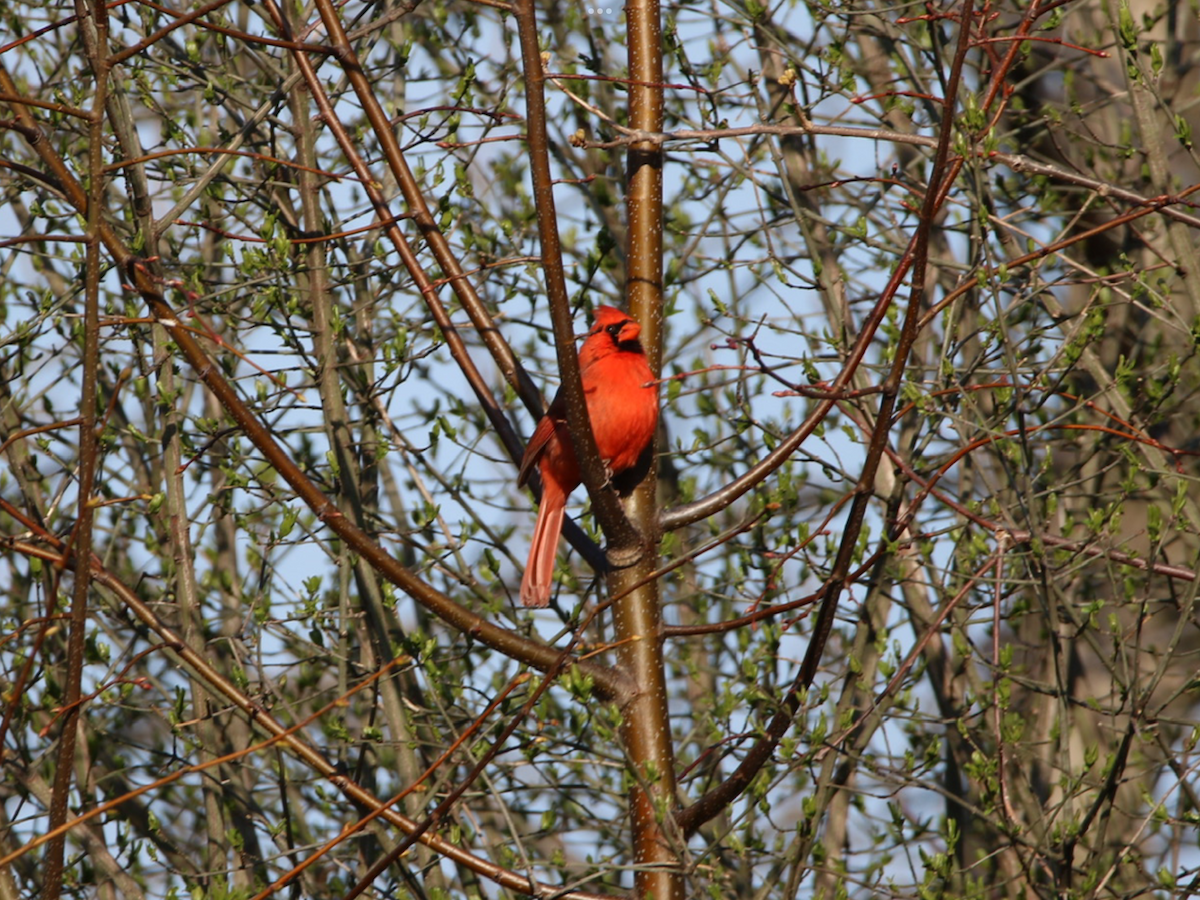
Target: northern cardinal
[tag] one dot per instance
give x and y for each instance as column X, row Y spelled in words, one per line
column 622, row 403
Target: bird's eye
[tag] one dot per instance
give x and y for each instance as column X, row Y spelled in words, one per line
column 615, row 329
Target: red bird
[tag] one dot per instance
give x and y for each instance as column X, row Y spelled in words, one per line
column 622, row 402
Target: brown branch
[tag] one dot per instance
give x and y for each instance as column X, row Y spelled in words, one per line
column 658, row 850
column 46, row 104
column 96, row 44
column 201, row 151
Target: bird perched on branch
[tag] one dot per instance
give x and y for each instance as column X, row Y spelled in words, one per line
column 622, row 403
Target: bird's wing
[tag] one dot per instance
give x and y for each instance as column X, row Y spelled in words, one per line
column 541, row 437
